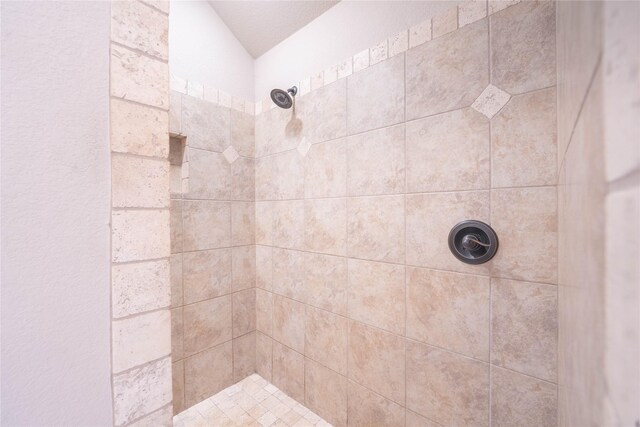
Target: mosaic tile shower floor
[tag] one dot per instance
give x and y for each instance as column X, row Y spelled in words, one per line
column 253, row 401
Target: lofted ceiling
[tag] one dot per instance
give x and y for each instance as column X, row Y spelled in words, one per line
column 260, row 25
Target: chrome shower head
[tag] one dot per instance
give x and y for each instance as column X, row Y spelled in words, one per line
column 284, row 99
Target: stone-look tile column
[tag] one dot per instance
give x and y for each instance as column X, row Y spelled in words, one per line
column 141, row 322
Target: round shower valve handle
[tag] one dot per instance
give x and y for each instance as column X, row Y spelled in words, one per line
column 473, row 242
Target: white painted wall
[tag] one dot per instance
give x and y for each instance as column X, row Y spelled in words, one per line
column 203, row 49
column 342, row 31
column 55, row 214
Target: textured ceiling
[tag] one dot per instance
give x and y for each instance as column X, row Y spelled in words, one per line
column 260, row 25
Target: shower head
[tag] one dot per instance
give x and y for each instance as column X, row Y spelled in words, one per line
column 284, row 99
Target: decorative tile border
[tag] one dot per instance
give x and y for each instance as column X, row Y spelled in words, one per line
column 450, row 20
column 198, row 90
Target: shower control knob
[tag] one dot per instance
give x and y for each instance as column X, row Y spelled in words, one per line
column 473, row 242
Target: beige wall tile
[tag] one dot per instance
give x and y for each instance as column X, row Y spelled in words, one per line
column 140, row 339
column 449, row 310
column 209, row 175
column 581, row 274
column 177, row 334
column 523, row 141
column 326, row 339
column 325, row 112
column 519, row 400
column 416, row 420
column 288, row 273
column 141, row 391
column 430, row 218
column 326, row 170
column 375, row 228
column 376, row 96
column 243, row 179
column 378, row 53
column 579, row 38
column 498, row 5
column 326, row 226
column 376, row 163
column 288, row 371
column 420, row 33
column 526, row 215
column 445, row 22
column 207, row 324
column 264, row 354
column 140, row 287
column 243, row 263
column 264, row 311
column 367, row 408
column 278, row 130
column 264, row 223
column 471, row 11
column 264, row 267
column 376, row 360
column 325, row 282
column 206, row 274
column 446, row 387
column 244, row 312
column 175, row 113
column 288, row 224
column 439, row 82
column 449, row 151
column 330, row 74
column 288, row 322
column 523, row 47
column 345, row 68
column 243, row 133
column 325, row 393
column 160, row 418
column 200, row 381
column 141, row 27
column 361, row 60
column 398, row 43
column 175, row 226
column 243, row 219
column 377, row 294
column 139, row 78
column 244, row 356
column 524, row 324
column 139, row 235
column 207, row 225
column 288, row 176
column 138, row 129
column 176, row 280
column 206, row 125
column 177, row 372
column 265, row 185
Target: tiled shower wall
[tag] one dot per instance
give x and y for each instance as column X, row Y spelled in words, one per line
column 599, row 211
column 212, row 248
column 139, row 89
column 363, row 314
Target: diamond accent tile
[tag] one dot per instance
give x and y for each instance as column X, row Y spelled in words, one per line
column 230, row 154
column 303, row 147
column 490, row 101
